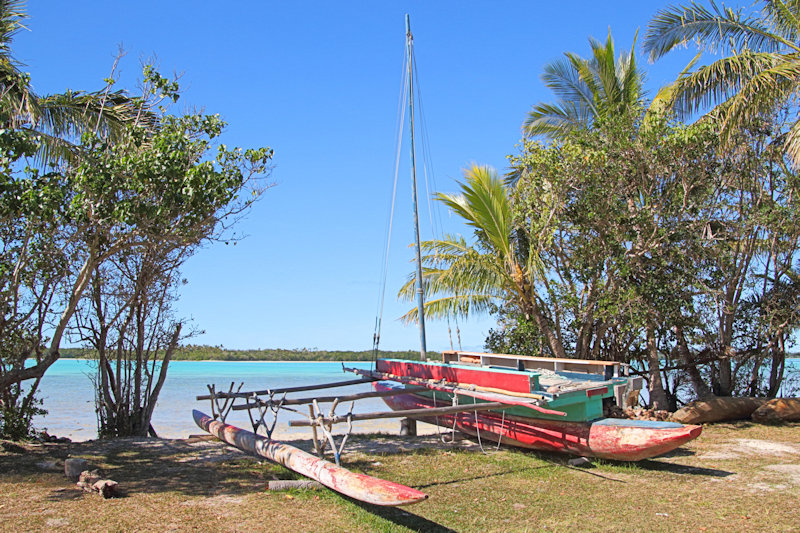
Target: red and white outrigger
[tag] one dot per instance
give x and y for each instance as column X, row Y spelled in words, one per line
column 539, row 403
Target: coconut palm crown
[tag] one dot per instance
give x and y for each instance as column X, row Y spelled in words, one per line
column 760, row 70
column 55, row 120
column 462, row 278
column 587, row 89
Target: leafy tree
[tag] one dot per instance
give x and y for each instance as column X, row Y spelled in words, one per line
column 658, row 242
column 156, row 184
column 759, row 73
column 128, row 321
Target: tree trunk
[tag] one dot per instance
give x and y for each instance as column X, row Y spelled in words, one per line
column 658, row 397
column 701, row 389
column 777, row 369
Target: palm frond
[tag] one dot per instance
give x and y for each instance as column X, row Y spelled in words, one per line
column 565, row 81
column 718, row 81
column 587, row 89
column 664, row 100
column 718, row 29
column 792, row 142
column 461, row 306
column 784, row 17
column 12, row 13
column 556, row 121
column 483, row 204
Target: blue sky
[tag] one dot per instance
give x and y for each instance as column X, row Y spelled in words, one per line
column 319, row 82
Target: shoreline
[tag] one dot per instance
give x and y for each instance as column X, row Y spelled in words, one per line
column 284, row 433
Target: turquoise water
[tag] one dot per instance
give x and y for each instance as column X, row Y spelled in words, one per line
column 68, row 394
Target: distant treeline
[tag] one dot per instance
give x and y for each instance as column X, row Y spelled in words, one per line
column 218, row 353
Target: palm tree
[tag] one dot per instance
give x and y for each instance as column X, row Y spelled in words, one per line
column 760, row 70
column 59, row 119
column 461, row 279
column 588, row 89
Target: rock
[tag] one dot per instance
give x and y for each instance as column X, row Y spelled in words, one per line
column 579, row 461
column 107, row 487
column 640, row 413
column 73, row 467
column 718, row 410
column 778, row 410
column 632, row 399
column 286, row 484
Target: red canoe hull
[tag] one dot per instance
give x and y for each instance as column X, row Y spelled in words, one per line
column 616, row 439
column 357, row 486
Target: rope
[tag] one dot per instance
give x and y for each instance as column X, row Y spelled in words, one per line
column 500, row 435
column 478, row 433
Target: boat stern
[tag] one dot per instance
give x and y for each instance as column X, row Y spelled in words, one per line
column 634, row 440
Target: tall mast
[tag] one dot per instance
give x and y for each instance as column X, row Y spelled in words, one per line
column 423, row 352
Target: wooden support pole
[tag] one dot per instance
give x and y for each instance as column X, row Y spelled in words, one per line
column 314, row 431
column 408, row 427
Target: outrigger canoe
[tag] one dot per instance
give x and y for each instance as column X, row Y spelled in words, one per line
column 358, row 486
column 606, row 438
column 569, row 395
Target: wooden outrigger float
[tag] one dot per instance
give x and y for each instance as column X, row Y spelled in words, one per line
column 264, row 406
column 358, row 486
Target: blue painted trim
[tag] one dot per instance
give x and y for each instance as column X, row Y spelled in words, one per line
column 624, row 422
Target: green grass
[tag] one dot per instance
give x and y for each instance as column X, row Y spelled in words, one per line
column 735, row 477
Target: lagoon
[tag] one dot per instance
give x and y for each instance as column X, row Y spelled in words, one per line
column 68, row 394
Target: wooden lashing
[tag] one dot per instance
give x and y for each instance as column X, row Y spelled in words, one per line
column 221, row 411
column 262, row 409
column 318, row 421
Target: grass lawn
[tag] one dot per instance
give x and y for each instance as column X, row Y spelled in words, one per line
column 735, row 477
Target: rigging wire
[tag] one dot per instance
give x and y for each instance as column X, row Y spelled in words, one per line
column 400, row 124
column 434, row 215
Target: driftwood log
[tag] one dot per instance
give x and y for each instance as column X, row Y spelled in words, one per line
column 778, row 410
column 718, row 409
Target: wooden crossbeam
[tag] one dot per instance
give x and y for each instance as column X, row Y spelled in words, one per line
column 424, row 412
column 289, row 389
column 324, row 399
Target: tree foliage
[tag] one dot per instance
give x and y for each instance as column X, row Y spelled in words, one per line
column 760, row 70
column 160, row 184
column 637, row 244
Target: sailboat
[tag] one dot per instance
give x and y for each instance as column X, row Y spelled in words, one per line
column 547, row 404
column 539, row 403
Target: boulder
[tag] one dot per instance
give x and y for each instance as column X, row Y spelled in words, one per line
column 73, row 467
column 778, row 410
column 718, row 409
